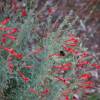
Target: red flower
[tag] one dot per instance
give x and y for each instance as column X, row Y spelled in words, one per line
column 24, row 13
column 11, row 67
column 5, row 21
column 21, row 74
column 44, row 92
column 3, row 40
column 25, row 79
column 82, row 63
column 85, row 54
column 10, row 37
column 14, row 30
column 72, row 44
column 67, row 98
column 72, row 39
column 70, row 50
column 5, row 28
column 28, row 67
column 67, row 64
column 85, row 76
column 65, row 81
column 88, row 85
column 19, row 56
column 10, row 50
column 96, row 65
column 64, row 67
column 59, row 66
column 32, row 90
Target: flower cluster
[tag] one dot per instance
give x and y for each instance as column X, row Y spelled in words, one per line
column 81, row 80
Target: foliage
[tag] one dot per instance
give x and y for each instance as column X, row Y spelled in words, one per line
column 42, row 57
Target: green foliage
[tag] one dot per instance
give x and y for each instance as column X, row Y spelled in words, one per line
column 94, row 97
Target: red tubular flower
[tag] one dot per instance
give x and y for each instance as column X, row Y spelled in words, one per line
column 67, row 98
column 96, row 65
column 61, row 79
column 28, row 67
column 25, row 79
column 85, row 76
column 5, row 21
column 45, row 92
column 11, row 68
column 10, row 37
column 64, row 67
column 59, row 66
column 3, row 40
column 5, row 28
column 32, row 90
column 72, row 44
column 82, row 63
column 19, row 56
column 72, row 39
column 24, row 13
column 21, row 74
column 88, row 85
column 70, row 50
column 65, row 81
column 14, row 30
column 67, row 64
column 85, row 54
column 12, row 52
